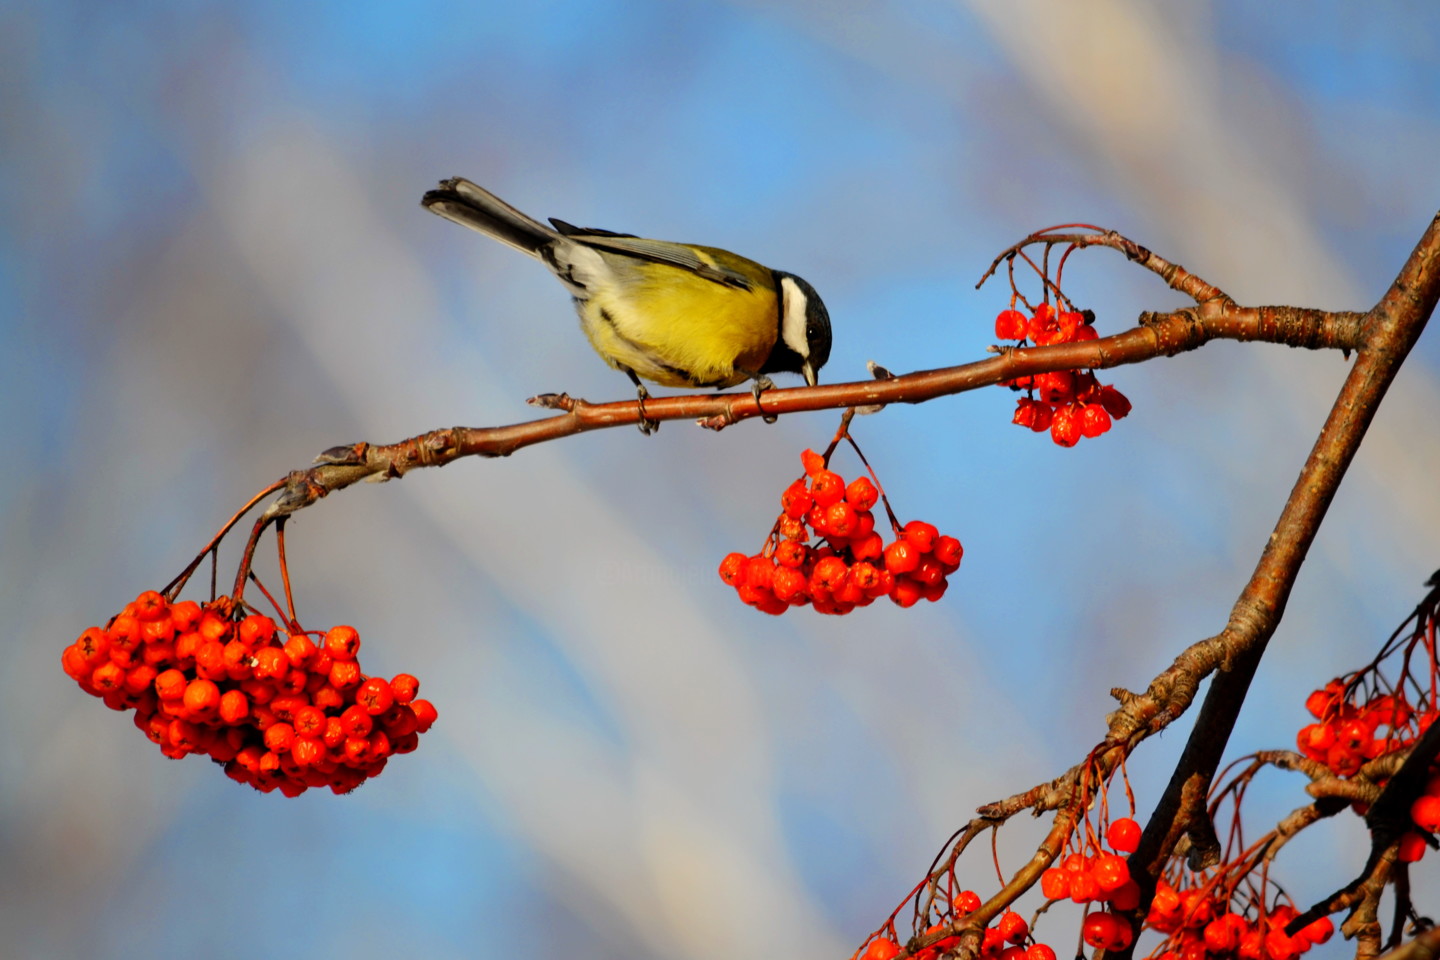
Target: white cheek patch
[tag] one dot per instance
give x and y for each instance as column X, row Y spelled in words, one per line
column 793, row 309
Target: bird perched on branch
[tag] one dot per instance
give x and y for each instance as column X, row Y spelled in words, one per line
column 675, row 314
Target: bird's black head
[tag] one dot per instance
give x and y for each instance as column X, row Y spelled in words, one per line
column 803, row 345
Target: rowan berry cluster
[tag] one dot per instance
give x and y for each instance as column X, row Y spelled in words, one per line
column 1201, row 924
column 279, row 712
column 1100, row 877
column 1069, row 403
column 1007, row 939
column 853, row 565
column 1347, row 735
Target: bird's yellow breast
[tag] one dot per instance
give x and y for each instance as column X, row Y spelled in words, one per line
column 678, row 329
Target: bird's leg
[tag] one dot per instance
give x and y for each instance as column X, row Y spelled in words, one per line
column 761, row 384
column 646, row 425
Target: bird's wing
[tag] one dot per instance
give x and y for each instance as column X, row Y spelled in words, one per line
column 658, row 251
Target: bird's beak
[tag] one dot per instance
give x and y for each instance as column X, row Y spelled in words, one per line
column 808, row 369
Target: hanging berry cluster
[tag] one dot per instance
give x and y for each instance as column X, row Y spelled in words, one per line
column 1204, row 921
column 279, row 712
column 1069, row 403
column 1348, row 735
column 1364, row 718
column 851, row 565
column 1093, row 876
column 1009, row 938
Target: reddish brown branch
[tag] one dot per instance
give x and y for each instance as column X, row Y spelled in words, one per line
column 1159, row 335
column 1391, row 329
column 1426, row 946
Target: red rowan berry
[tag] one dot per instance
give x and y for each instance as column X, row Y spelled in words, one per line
column 901, row 557
column 344, row 674
column 93, row 646
column 123, row 633
column 966, row 901
column 1319, row 931
column 1012, row 926
column 862, row 494
column 270, row 663
column 1114, row 402
column 356, row 721
column 841, row 520
column 1010, row 325
column 425, row 714
column 210, row 660
column 1426, row 813
column 185, row 646
column 812, row 462
column 1039, row 951
column 170, row 684
column 882, row 948
column 871, row 547
column 787, row 583
column 948, row 552
column 1126, row 897
column 1104, row 930
column 1123, row 835
column 259, row 691
column 160, row 631
column 357, row 750
column 334, row 736
column 279, row 737
column 308, row 721
column 405, row 687
column 375, row 696
column 848, row 593
column 788, row 553
column 929, row 572
column 201, row 697
column 73, row 660
column 1110, row 871
column 1058, row 386
column 159, row 655
column 796, row 501
column 234, row 706
column 1083, row 887
column 235, row 657
column 185, row 615
column 759, row 572
column 184, row 736
column 1055, row 883
column 906, row 592
column 151, row 606
column 307, row 751
column 1065, row 427
column 256, row 630
column 920, row 534
column 732, row 568
column 399, row 721
column 342, row 643
column 139, row 679
column 829, row 574
column 300, row 649
column 108, row 677
column 1093, row 420
column 213, row 626
column 827, row 488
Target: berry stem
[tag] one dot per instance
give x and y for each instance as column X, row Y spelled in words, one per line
column 173, row 588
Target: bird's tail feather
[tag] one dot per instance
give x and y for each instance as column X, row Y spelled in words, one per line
column 475, row 207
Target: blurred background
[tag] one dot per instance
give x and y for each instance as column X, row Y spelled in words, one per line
column 213, row 265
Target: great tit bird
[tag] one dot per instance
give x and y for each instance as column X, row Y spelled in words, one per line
column 675, row 314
